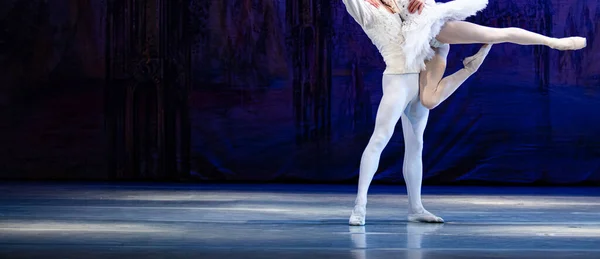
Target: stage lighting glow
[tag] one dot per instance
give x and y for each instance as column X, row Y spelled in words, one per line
column 47, row 226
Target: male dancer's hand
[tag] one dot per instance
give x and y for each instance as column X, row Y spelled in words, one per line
column 416, row 5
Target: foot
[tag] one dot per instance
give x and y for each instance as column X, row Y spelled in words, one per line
column 570, row 43
column 473, row 63
column 358, row 215
column 424, row 217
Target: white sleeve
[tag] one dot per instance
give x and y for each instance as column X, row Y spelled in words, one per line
column 360, row 11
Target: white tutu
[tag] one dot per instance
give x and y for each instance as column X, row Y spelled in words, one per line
column 420, row 29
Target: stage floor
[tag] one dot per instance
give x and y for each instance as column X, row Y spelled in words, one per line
column 292, row 221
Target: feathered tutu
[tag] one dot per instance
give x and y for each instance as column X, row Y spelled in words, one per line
column 420, row 29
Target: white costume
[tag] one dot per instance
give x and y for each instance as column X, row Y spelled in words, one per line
column 400, row 96
column 420, row 29
column 385, row 31
column 405, row 42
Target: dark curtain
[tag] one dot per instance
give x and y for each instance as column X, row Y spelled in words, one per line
column 281, row 90
column 528, row 116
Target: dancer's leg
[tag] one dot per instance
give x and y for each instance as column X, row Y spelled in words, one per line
column 398, row 90
column 434, row 89
column 430, row 78
column 413, row 127
column 461, row 32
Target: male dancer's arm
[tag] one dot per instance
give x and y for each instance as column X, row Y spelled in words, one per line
column 416, row 5
column 360, row 11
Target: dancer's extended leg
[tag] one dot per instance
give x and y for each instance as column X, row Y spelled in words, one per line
column 434, row 89
column 398, row 90
column 461, row 32
column 413, row 127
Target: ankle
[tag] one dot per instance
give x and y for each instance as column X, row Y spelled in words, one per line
column 416, row 210
column 470, row 70
column 554, row 42
column 360, row 202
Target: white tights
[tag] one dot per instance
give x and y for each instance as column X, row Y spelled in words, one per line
column 400, row 95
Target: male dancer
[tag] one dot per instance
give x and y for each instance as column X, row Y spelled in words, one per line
column 400, row 95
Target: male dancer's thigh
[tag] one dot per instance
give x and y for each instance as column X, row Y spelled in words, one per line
column 398, row 91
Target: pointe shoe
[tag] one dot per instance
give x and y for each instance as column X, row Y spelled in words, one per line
column 358, row 215
column 473, row 63
column 570, row 43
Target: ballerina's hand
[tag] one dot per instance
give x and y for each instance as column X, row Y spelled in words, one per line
column 375, row 3
column 416, row 5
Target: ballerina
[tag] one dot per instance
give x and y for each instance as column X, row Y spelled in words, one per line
column 429, row 28
column 391, row 34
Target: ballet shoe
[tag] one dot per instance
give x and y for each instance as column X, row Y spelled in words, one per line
column 424, row 217
column 358, row 215
column 473, row 63
column 570, row 43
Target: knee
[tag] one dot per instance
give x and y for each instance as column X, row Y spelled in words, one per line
column 503, row 34
column 512, row 32
column 379, row 141
column 414, row 147
column 429, row 102
column 414, row 143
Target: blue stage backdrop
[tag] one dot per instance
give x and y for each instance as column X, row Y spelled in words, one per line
column 529, row 116
column 288, row 90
